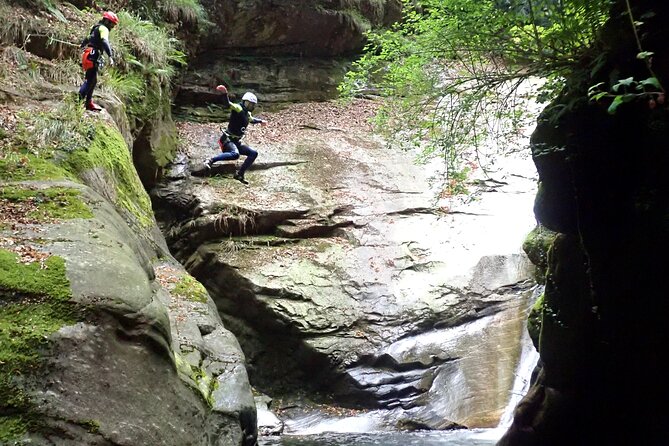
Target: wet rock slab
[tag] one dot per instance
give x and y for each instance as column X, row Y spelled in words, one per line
column 337, row 251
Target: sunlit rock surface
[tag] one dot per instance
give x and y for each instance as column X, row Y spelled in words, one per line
column 339, row 271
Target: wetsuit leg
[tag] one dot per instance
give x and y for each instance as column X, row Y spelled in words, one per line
column 230, row 152
column 251, row 156
column 86, row 90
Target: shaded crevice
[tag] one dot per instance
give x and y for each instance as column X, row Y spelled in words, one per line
column 414, row 211
column 388, row 362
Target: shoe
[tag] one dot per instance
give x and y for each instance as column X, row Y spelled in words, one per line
column 207, row 164
column 240, row 177
column 93, row 107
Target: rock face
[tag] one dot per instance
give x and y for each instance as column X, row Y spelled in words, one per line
column 338, row 274
column 603, row 190
column 297, row 28
column 119, row 345
column 285, row 51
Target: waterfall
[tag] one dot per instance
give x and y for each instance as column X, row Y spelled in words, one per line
column 528, row 361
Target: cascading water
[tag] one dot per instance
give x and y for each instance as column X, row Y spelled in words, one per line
column 528, row 361
column 482, row 369
column 318, row 429
column 412, row 309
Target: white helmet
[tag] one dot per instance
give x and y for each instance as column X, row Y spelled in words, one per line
column 248, row 96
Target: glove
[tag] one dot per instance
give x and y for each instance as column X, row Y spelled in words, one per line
column 222, row 89
column 111, row 61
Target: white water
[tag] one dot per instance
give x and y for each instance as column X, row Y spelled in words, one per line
column 495, row 225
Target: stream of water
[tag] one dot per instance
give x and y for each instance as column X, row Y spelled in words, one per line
column 465, row 437
column 359, row 431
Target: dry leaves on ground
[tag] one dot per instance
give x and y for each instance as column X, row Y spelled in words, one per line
column 285, row 125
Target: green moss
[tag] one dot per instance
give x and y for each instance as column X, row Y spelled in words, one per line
column 54, row 202
column 109, row 151
column 360, row 21
column 534, row 321
column 12, row 427
column 204, row 383
column 30, row 167
column 190, row 289
column 36, row 304
column 536, row 246
column 92, row 426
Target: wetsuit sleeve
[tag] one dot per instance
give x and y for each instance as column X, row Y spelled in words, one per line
column 231, row 105
column 104, row 36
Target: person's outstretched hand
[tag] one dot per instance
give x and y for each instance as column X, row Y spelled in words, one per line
column 222, row 89
column 263, row 123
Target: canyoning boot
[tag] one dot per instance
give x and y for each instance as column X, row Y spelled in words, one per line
column 207, row 164
column 240, row 177
column 92, row 106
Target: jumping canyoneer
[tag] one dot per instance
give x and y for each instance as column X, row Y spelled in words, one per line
column 230, row 140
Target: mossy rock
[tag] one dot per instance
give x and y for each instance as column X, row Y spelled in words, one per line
column 536, row 246
column 24, row 167
column 36, row 303
column 534, row 321
column 45, row 204
column 108, row 150
column 189, row 288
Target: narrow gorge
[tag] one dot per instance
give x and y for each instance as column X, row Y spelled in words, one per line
column 341, row 297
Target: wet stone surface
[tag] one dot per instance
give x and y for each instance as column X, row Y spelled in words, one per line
column 337, row 253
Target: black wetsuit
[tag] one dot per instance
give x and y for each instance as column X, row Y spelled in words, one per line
column 230, row 140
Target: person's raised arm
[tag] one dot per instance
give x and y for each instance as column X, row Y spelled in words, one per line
column 226, row 98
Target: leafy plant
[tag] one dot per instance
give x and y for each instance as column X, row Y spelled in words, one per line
column 148, row 59
column 453, row 73
column 189, row 12
column 629, row 89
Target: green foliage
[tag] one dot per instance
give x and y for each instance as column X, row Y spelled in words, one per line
column 188, row 12
column 629, row 89
column 64, row 143
column 451, row 71
column 148, row 60
column 182, row 13
column 17, row 166
column 35, row 304
column 142, row 42
column 30, row 152
column 62, row 128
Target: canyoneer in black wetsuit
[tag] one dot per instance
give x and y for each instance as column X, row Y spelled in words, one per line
column 230, row 140
column 95, row 44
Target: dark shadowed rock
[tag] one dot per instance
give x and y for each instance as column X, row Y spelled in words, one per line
column 602, row 320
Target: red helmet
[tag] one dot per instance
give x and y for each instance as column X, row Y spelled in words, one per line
column 111, row 17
